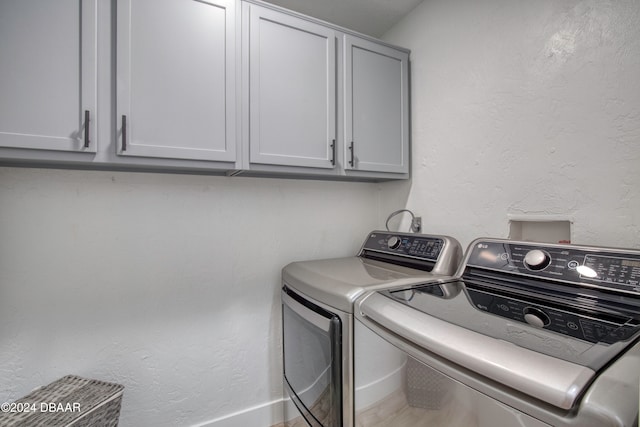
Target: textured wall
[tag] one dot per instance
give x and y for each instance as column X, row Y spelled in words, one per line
column 518, row 107
column 168, row 284
column 524, row 108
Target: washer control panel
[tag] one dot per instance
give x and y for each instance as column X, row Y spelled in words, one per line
column 612, row 269
column 564, row 322
column 408, row 245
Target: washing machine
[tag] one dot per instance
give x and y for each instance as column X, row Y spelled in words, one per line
column 524, row 334
column 317, row 317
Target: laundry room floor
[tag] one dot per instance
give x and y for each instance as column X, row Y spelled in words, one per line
column 395, row 411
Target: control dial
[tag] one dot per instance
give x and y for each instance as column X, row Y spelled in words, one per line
column 536, row 317
column 393, row 242
column 537, row 260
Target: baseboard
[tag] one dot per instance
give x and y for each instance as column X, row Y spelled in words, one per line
column 377, row 390
column 265, row 415
column 274, row 412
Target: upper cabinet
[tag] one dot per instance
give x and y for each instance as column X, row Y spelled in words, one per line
column 48, row 75
column 376, row 113
column 176, row 79
column 205, row 86
column 321, row 99
column 291, row 89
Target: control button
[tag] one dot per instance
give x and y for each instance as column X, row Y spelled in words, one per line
column 393, row 242
column 536, row 317
column 504, row 256
column 572, row 325
column 573, row 265
column 503, row 307
column 536, row 260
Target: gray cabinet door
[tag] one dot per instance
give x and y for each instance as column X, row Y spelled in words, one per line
column 376, row 107
column 176, row 79
column 292, row 97
column 48, row 74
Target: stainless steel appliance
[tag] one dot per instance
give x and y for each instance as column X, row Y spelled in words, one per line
column 525, row 334
column 317, row 313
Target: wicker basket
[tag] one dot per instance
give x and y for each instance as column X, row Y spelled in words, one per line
column 69, row 402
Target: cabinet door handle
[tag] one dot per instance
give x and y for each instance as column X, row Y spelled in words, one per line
column 124, row 133
column 87, row 116
column 333, row 153
column 352, row 161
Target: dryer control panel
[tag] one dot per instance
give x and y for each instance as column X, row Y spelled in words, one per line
column 419, row 246
column 616, row 270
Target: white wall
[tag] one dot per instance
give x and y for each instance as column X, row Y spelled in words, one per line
column 524, row 108
column 168, row 284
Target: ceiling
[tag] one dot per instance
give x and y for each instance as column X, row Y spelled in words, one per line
column 371, row 17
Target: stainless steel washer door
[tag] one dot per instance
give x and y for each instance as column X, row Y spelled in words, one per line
column 446, row 375
column 395, row 390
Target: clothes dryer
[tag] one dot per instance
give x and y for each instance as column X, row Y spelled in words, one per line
column 317, row 311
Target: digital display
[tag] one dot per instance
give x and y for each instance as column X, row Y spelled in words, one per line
column 615, row 272
column 630, row 263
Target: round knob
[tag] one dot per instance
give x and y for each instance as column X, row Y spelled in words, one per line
column 393, row 242
column 536, row 317
column 537, row 259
